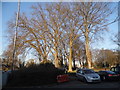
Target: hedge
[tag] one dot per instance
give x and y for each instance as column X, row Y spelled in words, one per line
column 35, row 75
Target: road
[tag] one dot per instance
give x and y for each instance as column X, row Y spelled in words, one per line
column 73, row 83
column 79, row 84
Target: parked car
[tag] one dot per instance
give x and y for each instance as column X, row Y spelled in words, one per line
column 115, row 69
column 108, row 75
column 87, row 75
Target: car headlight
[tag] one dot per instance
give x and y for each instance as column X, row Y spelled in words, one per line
column 89, row 77
column 98, row 77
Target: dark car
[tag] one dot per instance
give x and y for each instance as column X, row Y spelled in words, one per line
column 115, row 69
column 108, row 75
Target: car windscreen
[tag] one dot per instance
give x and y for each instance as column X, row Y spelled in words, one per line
column 88, row 71
column 117, row 69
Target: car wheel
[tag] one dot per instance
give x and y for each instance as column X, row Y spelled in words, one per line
column 78, row 79
column 84, row 80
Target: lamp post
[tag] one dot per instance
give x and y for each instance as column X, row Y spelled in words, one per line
column 15, row 37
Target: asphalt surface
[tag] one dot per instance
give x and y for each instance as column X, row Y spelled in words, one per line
column 79, row 84
column 74, row 83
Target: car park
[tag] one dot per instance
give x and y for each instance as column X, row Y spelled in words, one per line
column 87, row 75
column 108, row 75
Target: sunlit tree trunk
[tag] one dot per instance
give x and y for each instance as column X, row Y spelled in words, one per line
column 70, row 57
column 56, row 58
column 88, row 55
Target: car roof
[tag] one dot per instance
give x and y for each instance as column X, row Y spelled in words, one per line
column 105, row 71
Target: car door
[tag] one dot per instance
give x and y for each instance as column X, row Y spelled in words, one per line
column 103, row 75
column 80, row 75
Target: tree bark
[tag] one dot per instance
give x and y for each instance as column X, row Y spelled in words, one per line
column 88, row 55
column 74, row 63
column 70, row 57
column 56, row 59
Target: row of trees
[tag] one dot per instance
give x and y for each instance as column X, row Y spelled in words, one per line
column 63, row 30
column 105, row 58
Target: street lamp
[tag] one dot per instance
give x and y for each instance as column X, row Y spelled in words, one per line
column 15, row 36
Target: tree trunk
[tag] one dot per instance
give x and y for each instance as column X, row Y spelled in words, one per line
column 39, row 56
column 65, row 61
column 56, row 59
column 88, row 55
column 74, row 64
column 70, row 57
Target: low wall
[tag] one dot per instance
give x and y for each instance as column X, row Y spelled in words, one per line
column 4, row 78
column 0, row 79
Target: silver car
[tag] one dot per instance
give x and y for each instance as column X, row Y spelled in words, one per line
column 87, row 75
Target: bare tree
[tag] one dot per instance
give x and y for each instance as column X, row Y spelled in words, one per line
column 103, row 57
column 52, row 19
column 116, row 39
column 57, row 26
column 20, row 51
column 34, row 36
column 78, row 51
column 71, row 27
column 95, row 20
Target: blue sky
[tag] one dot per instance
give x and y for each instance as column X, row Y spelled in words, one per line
column 9, row 9
column 8, row 12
